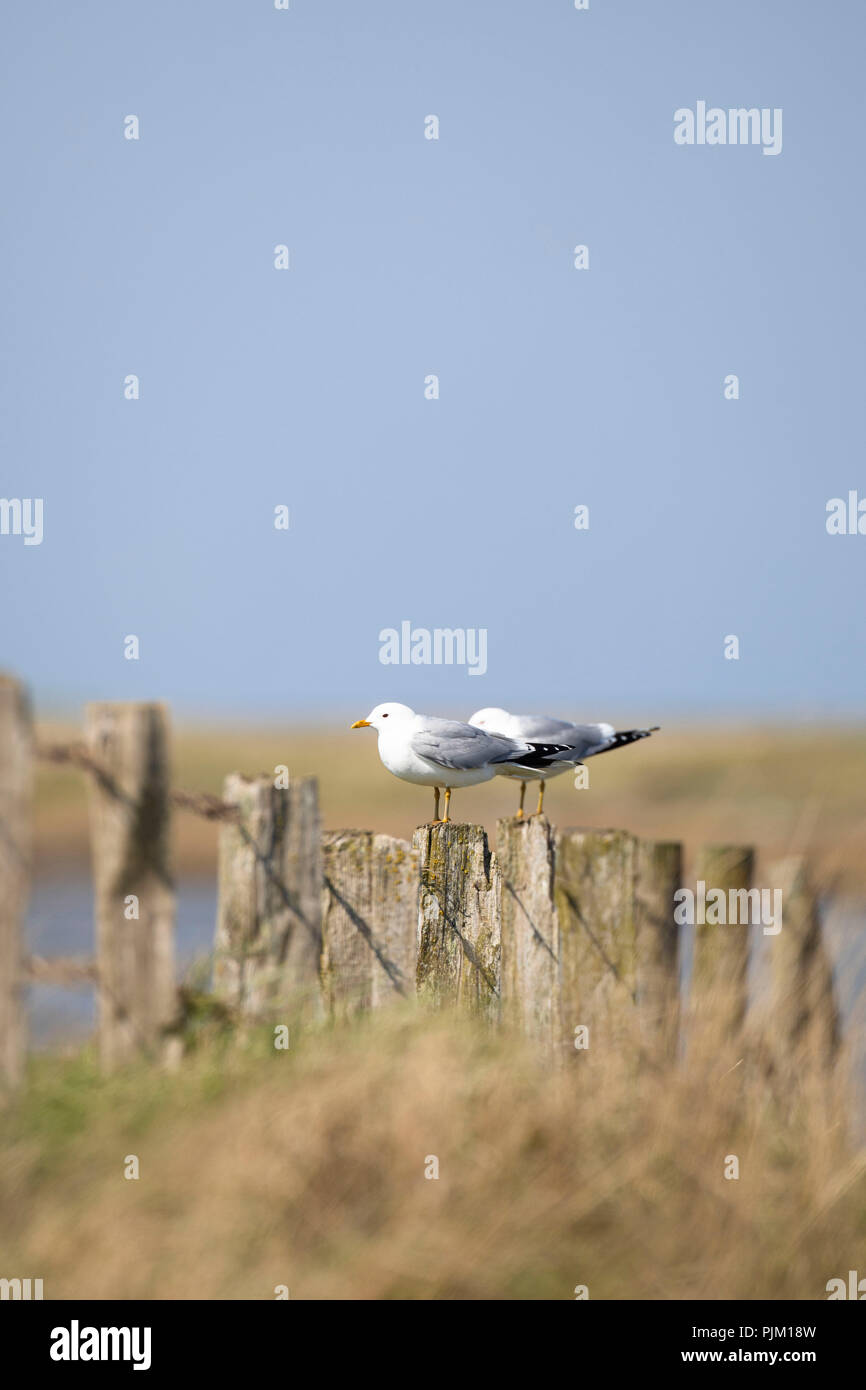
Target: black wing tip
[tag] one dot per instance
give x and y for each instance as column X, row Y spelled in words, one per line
column 625, row 736
column 541, row 755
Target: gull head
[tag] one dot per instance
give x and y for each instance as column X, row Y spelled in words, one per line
column 385, row 717
column 491, row 719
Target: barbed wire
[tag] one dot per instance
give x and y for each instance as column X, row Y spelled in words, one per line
column 202, row 804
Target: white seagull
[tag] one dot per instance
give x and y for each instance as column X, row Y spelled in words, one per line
column 581, row 740
column 445, row 753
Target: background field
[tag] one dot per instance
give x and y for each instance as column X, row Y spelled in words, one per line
column 780, row 789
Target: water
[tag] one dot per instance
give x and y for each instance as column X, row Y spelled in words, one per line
column 60, row 923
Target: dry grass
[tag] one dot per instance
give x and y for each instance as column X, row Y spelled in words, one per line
column 780, row 789
column 306, row 1168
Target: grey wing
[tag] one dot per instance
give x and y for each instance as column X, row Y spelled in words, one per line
column 461, row 746
column 584, row 740
column 541, row 726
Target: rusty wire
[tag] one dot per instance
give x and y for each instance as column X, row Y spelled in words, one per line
column 77, row 755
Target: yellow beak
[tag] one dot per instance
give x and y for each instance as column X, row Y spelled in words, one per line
column 362, row 724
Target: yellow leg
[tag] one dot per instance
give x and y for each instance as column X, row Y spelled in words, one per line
column 540, row 796
column 435, row 804
column 522, row 795
column 446, row 818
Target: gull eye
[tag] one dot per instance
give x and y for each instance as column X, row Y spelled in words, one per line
column 384, row 716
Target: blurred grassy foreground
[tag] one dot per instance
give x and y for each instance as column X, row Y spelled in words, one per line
column 306, row 1168
column 780, row 789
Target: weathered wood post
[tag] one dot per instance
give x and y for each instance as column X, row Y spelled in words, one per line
column 458, row 918
column 369, row 920
column 719, row 991
column 530, row 930
column 16, row 782
column 658, row 875
column 269, row 914
column 805, row 1019
column 594, row 891
column 134, row 893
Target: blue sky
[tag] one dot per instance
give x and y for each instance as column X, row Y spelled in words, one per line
column 409, row 257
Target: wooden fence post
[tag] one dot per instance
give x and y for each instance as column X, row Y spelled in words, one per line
column 530, row 930
column 594, row 893
column 458, row 918
column 16, row 782
column 269, row 914
column 369, row 920
column 805, row 1018
column 134, row 892
column 658, row 875
column 719, row 993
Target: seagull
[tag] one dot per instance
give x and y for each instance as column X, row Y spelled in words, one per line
column 582, row 740
column 445, row 753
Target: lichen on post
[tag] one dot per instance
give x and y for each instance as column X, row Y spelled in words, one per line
column 594, row 895
column 134, row 889
column 395, row 913
column 719, row 990
column 458, row 918
column 369, row 920
column 16, row 791
column 658, row 876
column 806, row 1028
column 530, row 931
column 269, row 924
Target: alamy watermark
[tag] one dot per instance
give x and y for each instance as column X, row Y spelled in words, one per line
column 846, row 518
column 713, row 907
column 77, row 1343
column 737, row 126
column 20, row 1289
column 856, row 1287
column 22, row 516
column 443, row 646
